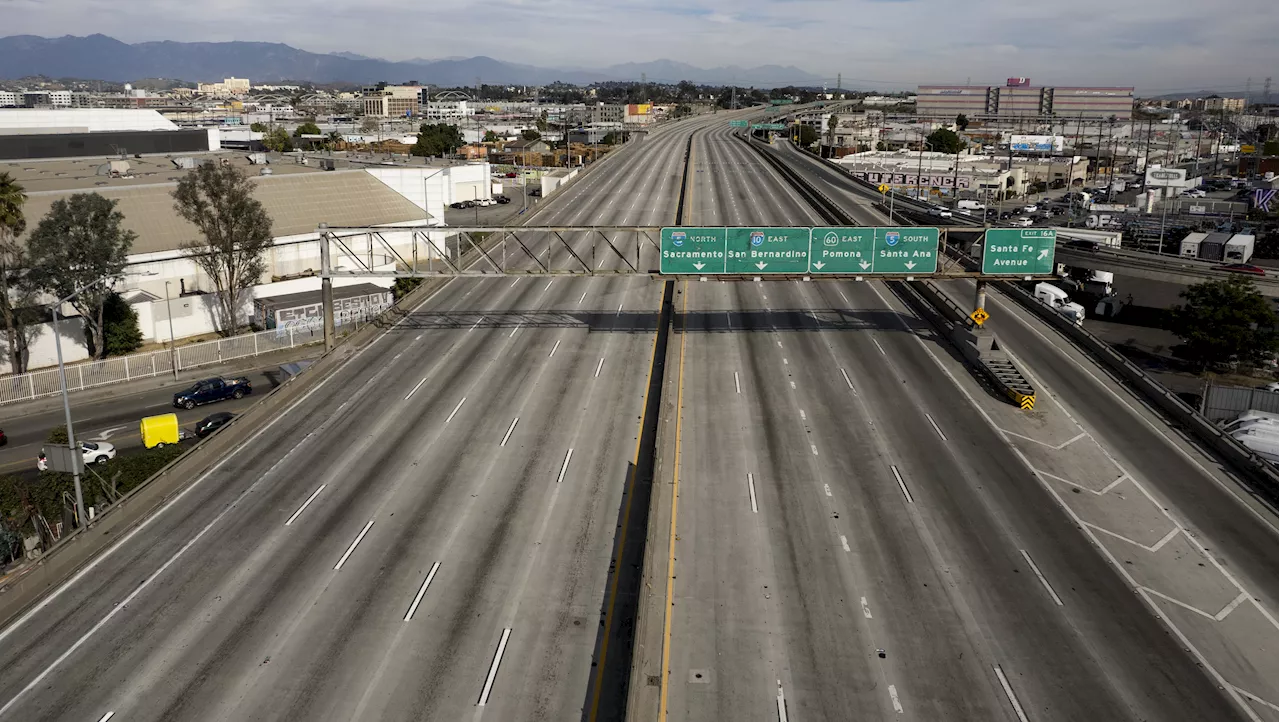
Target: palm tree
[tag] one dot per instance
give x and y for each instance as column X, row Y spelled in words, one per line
column 12, row 224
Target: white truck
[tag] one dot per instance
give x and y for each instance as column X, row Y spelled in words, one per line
column 1058, row 300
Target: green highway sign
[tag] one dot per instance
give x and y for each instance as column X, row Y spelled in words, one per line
column 737, row 124
column 756, row 251
column 693, row 250
column 782, row 101
column 770, row 126
column 841, row 250
column 767, row 250
column 1018, row 251
column 905, row 250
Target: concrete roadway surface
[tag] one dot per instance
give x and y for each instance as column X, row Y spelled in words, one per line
column 427, row 535
column 852, row 538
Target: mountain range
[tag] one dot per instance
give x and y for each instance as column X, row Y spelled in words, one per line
column 99, row 57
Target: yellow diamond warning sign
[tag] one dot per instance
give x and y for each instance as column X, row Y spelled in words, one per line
column 979, row 316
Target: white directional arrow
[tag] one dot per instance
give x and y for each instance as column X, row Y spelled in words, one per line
column 910, row 265
column 761, row 265
column 818, row 266
column 107, row 433
column 1044, row 253
column 699, row 266
column 864, row 265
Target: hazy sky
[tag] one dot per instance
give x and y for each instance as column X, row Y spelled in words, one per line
column 1156, row 45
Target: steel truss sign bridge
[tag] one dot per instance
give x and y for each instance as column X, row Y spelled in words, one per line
column 725, row 252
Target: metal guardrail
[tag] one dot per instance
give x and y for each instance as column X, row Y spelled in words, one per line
column 45, row 382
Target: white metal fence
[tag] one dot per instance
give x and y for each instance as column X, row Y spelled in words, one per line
column 35, row 384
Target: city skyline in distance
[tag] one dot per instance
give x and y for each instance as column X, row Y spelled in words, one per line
column 1156, row 46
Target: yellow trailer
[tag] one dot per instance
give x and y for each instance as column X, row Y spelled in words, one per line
column 160, row 430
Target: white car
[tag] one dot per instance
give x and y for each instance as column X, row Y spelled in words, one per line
column 1194, row 193
column 1021, row 221
column 1031, row 208
column 94, row 452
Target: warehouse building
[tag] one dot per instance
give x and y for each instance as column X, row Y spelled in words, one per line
column 1019, row 99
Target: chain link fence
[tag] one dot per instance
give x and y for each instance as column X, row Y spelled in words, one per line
column 45, row 382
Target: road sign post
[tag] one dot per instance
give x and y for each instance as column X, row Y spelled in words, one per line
column 767, row 250
column 1018, row 251
column 692, row 250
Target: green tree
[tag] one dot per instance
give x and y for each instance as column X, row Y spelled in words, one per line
column 436, row 139
column 259, row 127
column 1225, row 322
column 237, row 233
column 81, row 247
column 370, row 125
column 308, row 128
column 530, row 134
column 121, row 334
column 403, row 286
column 686, row 90
column 491, row 137
column 808, row 135
column 610, row 138
column 541, row 123
column 945, row 141
column 278, row 140
column 962, row 122
column 15, row 292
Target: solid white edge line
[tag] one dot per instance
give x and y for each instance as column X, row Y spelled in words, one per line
column 782, row 704
column 751, row 489
column 553, row 350
column 1045, row 582
column 619, row 310
column 509, row 430
column 513, row 284
column 1008, row 692
column 893, row 695
column 737, row 385
column 582, row 298
column 477, row 323
column 493, row 668
column 415, row 388
column 934, row 424
column 98, row 559
column 422, row 592
column 305, row 504
column 455, row 409
column 107, row 716
column 513, row 331
column 548, row 285
column 599, row 366
column 352, row 548
column 565, row 466
column 902, row 484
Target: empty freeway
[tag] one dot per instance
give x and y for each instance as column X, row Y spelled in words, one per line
column 844, row 524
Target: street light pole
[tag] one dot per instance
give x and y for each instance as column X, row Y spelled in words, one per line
column 81, row 516
column 173, row 357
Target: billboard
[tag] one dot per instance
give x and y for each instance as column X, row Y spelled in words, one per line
column 1164, row 177
column 909, row 179
column 1036, row 143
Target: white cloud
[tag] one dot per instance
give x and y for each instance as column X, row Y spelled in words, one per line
column 1157, row 45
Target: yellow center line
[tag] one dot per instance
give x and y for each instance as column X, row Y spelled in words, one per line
column 671, row 542
column 622, row 535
